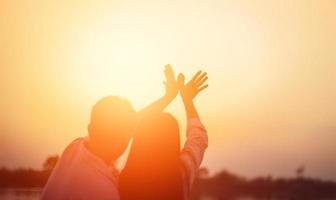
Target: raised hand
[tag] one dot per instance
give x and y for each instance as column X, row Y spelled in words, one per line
column 172, row 88
column 190, row 90
column 172, row 85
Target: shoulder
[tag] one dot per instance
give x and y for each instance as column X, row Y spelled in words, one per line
column 74, row 144
column 71, row 150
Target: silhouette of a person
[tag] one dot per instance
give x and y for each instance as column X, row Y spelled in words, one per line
column 86, row 167
column 156, row 168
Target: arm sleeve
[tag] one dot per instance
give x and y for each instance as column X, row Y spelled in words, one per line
column 193, row 150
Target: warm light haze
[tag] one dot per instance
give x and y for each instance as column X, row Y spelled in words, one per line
column 270, row 106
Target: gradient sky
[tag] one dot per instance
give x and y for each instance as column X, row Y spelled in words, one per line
column 270, row 107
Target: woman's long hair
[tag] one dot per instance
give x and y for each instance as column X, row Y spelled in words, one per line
column 153, row 170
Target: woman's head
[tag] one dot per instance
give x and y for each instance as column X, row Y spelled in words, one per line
column 153, row 167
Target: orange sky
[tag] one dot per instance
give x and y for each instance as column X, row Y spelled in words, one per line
column 270, row 106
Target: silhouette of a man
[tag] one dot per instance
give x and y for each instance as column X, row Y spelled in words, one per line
column 86, row 168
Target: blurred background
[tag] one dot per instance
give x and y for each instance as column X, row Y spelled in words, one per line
column 270, row 108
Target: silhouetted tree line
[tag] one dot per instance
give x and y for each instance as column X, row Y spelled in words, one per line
column 228, row 186
column 221, row 186
column 27, row 177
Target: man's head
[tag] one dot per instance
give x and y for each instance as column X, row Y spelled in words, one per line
column 112, row 122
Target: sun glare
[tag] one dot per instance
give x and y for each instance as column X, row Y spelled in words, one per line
column 115, row 61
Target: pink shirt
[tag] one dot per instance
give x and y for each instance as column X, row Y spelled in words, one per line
column 79, row 174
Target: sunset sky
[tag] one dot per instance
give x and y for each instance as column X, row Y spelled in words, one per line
column 270, row 107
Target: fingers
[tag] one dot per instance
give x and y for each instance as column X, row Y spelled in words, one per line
column 201, row 76
column 197, row 80
column 169, row 73
column 180, row 80
column 195, row 76
column 202, row 81
column 202, row 88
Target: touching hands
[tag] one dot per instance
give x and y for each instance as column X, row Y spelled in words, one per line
column 190, row 90
column 173, row 86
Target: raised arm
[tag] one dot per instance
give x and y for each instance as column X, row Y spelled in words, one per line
column 197, row 138
column 172, row 87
